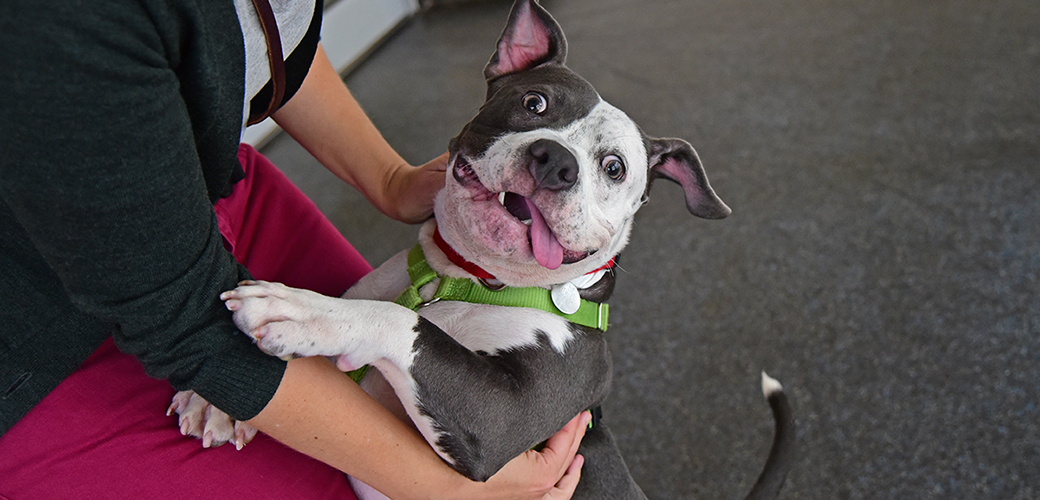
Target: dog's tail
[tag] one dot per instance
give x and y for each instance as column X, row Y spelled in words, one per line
column 781, row 455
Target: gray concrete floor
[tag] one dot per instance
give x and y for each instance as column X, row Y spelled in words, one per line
column 883, row 162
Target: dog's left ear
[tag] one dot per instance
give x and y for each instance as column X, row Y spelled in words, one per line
column 676, row 160
column 531, row 38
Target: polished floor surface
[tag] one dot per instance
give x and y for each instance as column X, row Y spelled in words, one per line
column 883, row 163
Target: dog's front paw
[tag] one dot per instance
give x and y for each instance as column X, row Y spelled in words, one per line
column 288, row 321
column 199, row 419
column 283, row 321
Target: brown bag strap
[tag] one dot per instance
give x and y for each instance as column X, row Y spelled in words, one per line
column 275, row 58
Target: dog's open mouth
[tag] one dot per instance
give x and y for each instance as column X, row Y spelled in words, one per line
column 548, row 251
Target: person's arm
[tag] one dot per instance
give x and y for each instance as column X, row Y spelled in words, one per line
column 326, row 120
column 319, row 411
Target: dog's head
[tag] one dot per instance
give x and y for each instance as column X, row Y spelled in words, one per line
column 543, row 183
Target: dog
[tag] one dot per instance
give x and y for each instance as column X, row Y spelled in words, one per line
column 488, row 335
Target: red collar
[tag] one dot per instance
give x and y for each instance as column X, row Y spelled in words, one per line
column 474, row 269
column 457, row 259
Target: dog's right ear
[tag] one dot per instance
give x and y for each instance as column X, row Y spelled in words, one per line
column 531, row 38
column 676, row 160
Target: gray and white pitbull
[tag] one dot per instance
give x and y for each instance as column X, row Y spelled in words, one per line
column 540, row 195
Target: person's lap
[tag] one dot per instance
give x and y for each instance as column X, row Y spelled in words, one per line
column 103, row 432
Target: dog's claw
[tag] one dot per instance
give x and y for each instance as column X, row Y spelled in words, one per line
column 179, row 403
column 239, row 439
column 244, row 433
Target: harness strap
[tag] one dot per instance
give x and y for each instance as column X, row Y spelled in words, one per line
column 590, row 314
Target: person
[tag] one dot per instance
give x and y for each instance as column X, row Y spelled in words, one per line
column 126, row 207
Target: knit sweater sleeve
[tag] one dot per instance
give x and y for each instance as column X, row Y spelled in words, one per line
column 102, row 167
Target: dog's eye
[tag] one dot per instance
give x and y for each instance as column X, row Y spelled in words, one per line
column 535, row 102
column 614, row 167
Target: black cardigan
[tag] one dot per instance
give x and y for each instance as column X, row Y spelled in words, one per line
column 118, row 130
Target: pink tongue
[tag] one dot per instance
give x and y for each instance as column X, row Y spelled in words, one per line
column 547, row 249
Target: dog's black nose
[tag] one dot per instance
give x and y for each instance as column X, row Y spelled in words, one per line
column 552, row 165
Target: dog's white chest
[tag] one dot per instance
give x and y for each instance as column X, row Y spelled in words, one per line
column 491, row 329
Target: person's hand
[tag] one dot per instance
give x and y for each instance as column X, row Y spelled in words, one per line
column 410, row 190
column 549, row 474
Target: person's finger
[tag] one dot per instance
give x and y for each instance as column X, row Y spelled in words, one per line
column 582, row 425
column 569, row 482
column 562, row 446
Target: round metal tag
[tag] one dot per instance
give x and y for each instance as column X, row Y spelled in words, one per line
column 565, row 297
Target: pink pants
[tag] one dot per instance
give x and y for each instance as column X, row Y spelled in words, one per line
column 103, row 433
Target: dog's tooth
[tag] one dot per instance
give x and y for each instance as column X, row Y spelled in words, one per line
column 527, row 222
column 502, row 198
